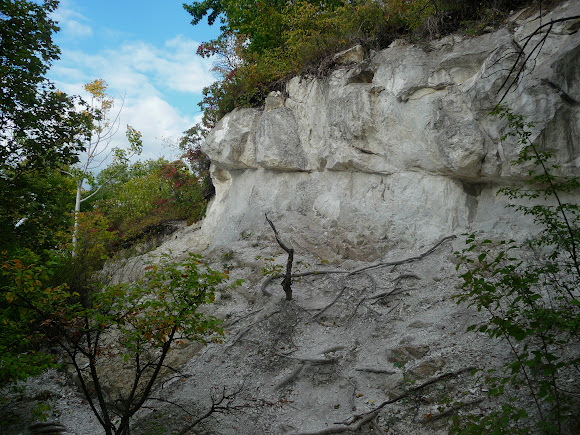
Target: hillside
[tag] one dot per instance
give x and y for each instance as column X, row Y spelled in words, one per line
column 372, row 175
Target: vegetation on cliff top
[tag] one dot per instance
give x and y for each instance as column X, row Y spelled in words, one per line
column 263, row 43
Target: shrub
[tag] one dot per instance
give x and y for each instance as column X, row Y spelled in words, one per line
column 530, row 292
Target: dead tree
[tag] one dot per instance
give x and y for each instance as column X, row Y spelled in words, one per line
column 287, row 281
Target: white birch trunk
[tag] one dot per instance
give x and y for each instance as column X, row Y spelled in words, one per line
column 77, row 211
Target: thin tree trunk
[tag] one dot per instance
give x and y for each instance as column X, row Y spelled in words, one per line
column 77, row 211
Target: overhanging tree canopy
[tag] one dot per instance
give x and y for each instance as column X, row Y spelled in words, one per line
column 40, row 128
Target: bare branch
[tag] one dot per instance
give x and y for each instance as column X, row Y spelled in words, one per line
column 218, row 404
column 526, row 58
column 413, row 390
column 287, row 282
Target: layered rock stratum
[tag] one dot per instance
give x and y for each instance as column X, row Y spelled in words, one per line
column 400, row 147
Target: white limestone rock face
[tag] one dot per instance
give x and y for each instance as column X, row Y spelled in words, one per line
column 398, row 148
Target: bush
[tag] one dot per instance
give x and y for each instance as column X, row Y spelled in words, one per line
column 26, row 282
column 147, row 195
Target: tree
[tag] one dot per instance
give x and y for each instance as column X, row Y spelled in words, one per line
column 97, row 147
column 132, row 326
column 190, row 147
column 198, row 10
column 38, row 124
column 40, row 128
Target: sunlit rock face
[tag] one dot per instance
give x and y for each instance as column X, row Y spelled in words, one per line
column 398, row 148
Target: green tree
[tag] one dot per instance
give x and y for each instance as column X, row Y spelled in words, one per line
column 198, row 10
column 199, row 163
column 40, row 128
column 143, row 196
column 133, row 326
column 39, row 125
column 23, row 281
column 103, row 128
column 35, row 209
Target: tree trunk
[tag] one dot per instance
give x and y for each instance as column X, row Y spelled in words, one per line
column 77, row 211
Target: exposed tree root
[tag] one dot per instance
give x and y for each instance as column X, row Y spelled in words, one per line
column 304, row 362
column 269, row 279
column 343, row 288
column 293, row 375
column 451, row 410
column 247, row 328
column 331, row 430
column 375, row 370
column 386, row 264
column 411, row 391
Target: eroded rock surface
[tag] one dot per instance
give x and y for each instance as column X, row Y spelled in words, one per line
column 397, row 148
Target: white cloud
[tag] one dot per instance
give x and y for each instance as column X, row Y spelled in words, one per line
column 141, row 76
column 176, row 66
column 72, row 23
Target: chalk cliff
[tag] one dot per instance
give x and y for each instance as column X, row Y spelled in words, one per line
column 396, row 147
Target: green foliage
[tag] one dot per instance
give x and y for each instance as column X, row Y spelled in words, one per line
column 199, row 9
column 530, row 292
column 143, row 320
column 25, row 284
column 199, row 163
column 95, row 244
column 271, row 268
column 133, row 325
column 141, row 197
column 264, row 43
column 39, row 126
column 33, row 212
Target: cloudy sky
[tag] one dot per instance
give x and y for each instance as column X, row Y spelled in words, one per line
column 145, row 51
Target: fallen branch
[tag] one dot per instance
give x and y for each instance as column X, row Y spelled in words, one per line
column 451, row 410
column 404, row 395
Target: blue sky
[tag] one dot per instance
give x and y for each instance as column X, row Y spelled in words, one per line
column 145, row 51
